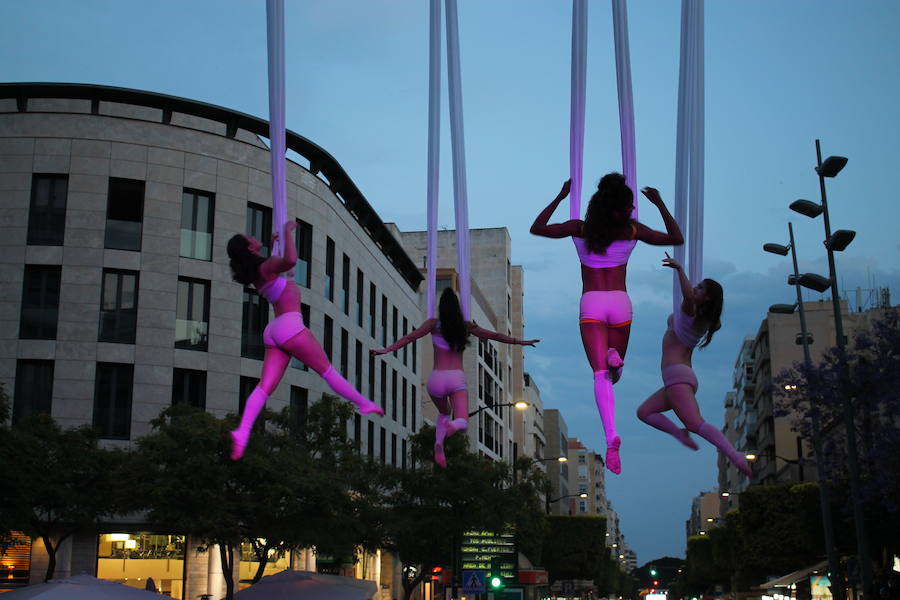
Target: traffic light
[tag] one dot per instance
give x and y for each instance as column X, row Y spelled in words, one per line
column 495, row 576
column 653, row 570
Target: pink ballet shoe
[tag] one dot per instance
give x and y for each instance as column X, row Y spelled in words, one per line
column 439, row 458
column 237, row 446
column 685, row 439
column 369, row 407
column 612, row 456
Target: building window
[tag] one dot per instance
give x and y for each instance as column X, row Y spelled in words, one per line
column 189, row 387
column 197, row 210
column 124, row 214
column 394, row 394
column 414, row 406
column 384, row 320
column 357, row 429
column 373, row 297
column 360, row 289
column 112, row 400
column 254, row 319
column 33, row 393
column 303, row 268
column 192, row 314
column 394, row 327
column 118, row 308
column 245, row 388
column 329, row 269
column 394, row 449
column 404, row 406
column 345, row 285
column 345, row 352
column 47, row 213
column 358, row 366
column 40, row 302
column 383, row 445
column 304, row 311
column 406, row 347
column 403, row 454
column 371, row 377
column 259, row 225
column 370, row 439
column 299, row 411
column 383, row 386
column 327, row 338
column 414, row 354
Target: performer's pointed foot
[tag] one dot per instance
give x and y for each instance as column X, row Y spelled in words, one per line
column 439, row 458
column 238, row 445
column 685, row 438
column 612, row 455
column 369, row 407
column 615, row 364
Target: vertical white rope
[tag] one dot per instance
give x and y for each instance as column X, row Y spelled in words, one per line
column 626, row 99
column 434, row 138
column 697, row 151
column 458, row 151
column 681, row 142
column 577, row 105
column 275, row 37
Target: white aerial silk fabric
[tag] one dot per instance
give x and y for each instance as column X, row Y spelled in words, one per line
column 577, row 103
column 275, row 36
column 434, row 152
column 626, row 99
column 690, row 150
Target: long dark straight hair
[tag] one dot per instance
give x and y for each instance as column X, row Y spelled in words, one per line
column 244, row 264
column 453, row 326
column 710, row 312
column 608, row 213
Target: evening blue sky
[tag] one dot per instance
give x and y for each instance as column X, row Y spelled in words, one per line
column 778, row 75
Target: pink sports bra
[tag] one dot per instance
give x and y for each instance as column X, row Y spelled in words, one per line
column 617, row 253
column 272, row 289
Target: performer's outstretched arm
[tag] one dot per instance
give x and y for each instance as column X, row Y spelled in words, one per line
column 688, row 305
column 278, row 264
column 487, row 334
column 412, row 336
column 543, row 228
column 672, row 235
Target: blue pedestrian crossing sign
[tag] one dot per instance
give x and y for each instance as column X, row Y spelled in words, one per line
column 473, row 581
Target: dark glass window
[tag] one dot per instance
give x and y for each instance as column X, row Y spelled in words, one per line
column 357, row 428
column 247, row 385
column 394, row 449
column 124, row 214
column 259, row 225
column 403, row 454
column 394, row 327
column 329, row 268
column 414, row 406
column 345, row 352
column 358, row 366
column 192, row 314
column 303, row 268
column 383, row 386
column 299, row 410
column 34, row 389
column 253, row 322
column 189, row 387
column 405, row 403
column 414, row 345
column 197, row 210
column 373, row 299
column 328, row 338
column 112, row 400
column 345, row 285
column 304, row 310
column 406, row 347
column 394, row 394
column 384, row 320
column 118, row 306
column 40, row 302
column 47, row 213
column 370, row 439
column 383, row 445
column 360, row 290
column 371, row 377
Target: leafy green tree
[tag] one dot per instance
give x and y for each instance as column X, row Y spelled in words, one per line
column 428, row 509
column 61, row 482
column 574, row 547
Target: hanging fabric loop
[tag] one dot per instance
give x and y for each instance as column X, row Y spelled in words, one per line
column 434, row 150
column 275, row 36
column 577, row 105
column 626, row 99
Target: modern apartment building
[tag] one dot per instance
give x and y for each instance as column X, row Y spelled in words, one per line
column 586, row 476
column 117, row 208
column 557, row 432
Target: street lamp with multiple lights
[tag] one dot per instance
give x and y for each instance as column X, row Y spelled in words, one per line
column 837, row 242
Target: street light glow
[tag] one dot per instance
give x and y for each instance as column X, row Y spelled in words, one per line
column 750, row 456
column 521, row 405
column 563, row 459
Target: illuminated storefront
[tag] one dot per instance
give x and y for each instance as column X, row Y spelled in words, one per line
column 133, row 558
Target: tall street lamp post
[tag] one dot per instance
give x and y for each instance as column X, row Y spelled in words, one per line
column 824, row 499
column 836, row 242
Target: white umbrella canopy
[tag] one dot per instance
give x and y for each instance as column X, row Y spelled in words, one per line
column 305, row 585
column 79, row 587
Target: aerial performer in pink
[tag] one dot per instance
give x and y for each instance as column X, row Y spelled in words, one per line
column 447, row 382
column 690, row 325
column 285, row 336
column 604, row 241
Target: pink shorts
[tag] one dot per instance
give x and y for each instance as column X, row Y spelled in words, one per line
column 675, row 374
column 443, row 383
column 612, row 307
column 282, row 328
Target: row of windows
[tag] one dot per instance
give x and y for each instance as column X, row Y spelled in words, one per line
column 46, row 226
column 113, row 396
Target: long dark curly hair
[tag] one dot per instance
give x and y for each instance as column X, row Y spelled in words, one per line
column 710, row 312
column 608, row 213
column 244, row 264
column 453, row 326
